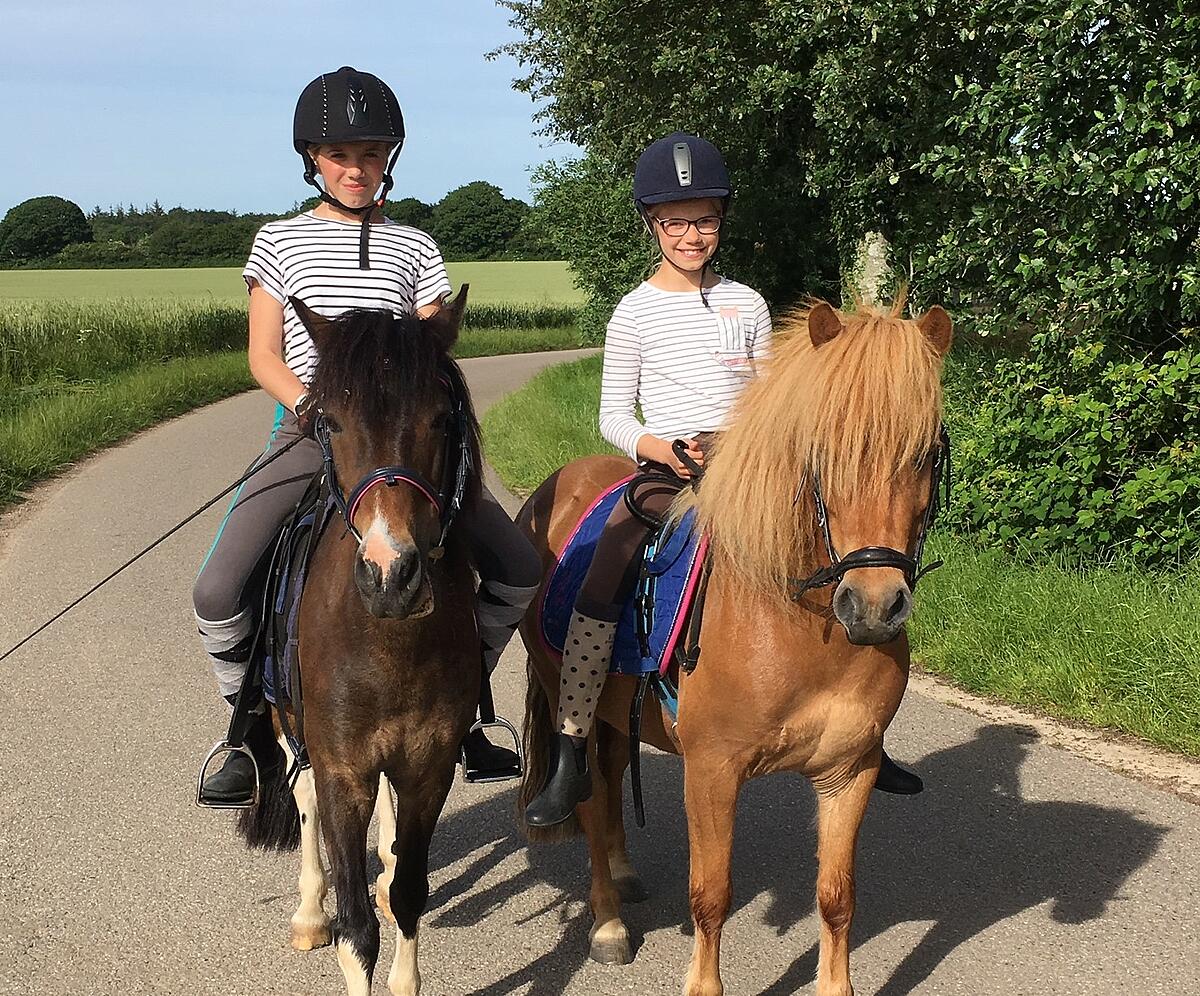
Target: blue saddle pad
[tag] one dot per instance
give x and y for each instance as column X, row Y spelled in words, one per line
column 676, row 565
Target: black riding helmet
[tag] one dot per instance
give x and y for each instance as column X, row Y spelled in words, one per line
column 680, row 167
column 348, row 106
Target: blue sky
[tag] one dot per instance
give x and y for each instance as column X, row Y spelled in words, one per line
column 125, row 101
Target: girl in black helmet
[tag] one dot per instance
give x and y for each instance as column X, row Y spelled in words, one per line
column 344, row 254
column 681, row 346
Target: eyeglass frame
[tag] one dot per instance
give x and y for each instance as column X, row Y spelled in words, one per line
column 689, row 224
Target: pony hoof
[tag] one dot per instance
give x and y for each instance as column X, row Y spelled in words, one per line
column 610, row 945
column 306, row 936
column 631, row 888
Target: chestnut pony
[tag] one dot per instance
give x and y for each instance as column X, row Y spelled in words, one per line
column 388, row 650
column 845, row 417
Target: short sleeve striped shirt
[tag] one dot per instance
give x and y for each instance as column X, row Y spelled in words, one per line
column 684, row 363
column 316, row 260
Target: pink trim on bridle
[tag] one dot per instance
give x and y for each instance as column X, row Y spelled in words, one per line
column 390, row 480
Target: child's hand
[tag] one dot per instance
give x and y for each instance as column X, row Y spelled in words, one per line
column 660, row 451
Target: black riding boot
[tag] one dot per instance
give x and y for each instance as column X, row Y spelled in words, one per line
column 485, row 761
column 233, row 784
column 897, row 780
column 568, row 783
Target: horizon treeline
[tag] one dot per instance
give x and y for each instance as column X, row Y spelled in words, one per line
column 473, row 222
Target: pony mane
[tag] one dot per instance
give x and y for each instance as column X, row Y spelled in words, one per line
column 387, row 370
column 856, row 410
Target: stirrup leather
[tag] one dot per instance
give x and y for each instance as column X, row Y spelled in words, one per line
column 221, row 748
column 477, row 775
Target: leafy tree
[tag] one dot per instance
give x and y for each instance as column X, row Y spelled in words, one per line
column 40, row 227
column 476, row 221
column 409, row 211
column 1036, row 167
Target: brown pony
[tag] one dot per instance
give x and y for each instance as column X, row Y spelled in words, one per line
column 806, row 683
column 389, row 654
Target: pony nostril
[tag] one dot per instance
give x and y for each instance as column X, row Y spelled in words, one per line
column 846, row 605
column 900, row 607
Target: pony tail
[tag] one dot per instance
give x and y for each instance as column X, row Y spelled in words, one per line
column 273, row 824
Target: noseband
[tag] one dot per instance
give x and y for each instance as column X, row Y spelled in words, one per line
column 879, row 556
column 458, row 467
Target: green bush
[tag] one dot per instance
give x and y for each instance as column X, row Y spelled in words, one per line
column 1079, row 450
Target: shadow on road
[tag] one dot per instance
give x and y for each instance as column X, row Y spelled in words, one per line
column 966, row 855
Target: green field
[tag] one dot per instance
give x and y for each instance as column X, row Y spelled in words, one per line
column 89, row 356
column 530, row 283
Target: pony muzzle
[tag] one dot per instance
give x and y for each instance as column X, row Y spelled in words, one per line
column 873, row 612
column 390, row 576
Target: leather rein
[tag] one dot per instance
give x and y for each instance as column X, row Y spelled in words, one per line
column 879, row 556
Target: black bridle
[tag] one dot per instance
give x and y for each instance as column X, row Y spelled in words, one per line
column 456, row 472
column 879, row 556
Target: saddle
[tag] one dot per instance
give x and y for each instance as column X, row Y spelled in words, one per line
column 653, row 619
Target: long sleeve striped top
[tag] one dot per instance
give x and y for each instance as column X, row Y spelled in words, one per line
column 683, row 363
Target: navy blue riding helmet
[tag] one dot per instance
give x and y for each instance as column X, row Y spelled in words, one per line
column 680, row 167
column 348, row 106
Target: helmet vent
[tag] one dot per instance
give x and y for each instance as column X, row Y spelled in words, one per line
column 683, row 163
column 356, row 105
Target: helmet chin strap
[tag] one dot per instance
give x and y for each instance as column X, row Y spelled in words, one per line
column 364, row 255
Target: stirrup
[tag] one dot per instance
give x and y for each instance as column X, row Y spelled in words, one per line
column 478, row 776
column 221, row 748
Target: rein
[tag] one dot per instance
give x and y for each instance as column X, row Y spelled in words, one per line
column 448, row 503
column 878, row 556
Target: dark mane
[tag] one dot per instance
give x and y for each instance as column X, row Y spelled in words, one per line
column 385, row 371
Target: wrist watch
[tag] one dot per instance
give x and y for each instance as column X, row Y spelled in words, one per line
column 303, row 406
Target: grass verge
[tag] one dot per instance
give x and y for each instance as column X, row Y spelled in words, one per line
column 54, row 429
column 552, row 420
column 50, row 422
column 1112, row 645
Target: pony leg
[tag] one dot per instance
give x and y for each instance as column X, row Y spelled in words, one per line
column 710, row 790
column 310, row 924
column 385, row 815
column 612, row 748
column 839, row 817
column 410, row 890
column 346, row 802
column 610, row 944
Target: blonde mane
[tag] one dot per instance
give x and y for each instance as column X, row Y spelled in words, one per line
column 858, row 409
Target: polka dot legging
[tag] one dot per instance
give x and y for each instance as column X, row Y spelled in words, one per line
column 586, row 656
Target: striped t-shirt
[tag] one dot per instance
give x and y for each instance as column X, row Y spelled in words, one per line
column 684, row 363
column 316, row 260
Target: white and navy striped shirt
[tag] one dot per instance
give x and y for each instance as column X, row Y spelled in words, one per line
column 316, row 260
column 684, row 363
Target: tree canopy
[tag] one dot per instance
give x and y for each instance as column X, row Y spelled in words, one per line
column 40, row 227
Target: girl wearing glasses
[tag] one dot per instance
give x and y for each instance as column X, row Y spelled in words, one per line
column 682, row 345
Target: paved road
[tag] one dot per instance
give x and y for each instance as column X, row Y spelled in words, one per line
column 1022, row 870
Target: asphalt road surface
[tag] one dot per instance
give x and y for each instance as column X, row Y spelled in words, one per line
column 1023, row 869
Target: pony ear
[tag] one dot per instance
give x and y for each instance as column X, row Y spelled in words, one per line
column 445, row 322
column 317, row 325
column 823, row 324
column 938, row 329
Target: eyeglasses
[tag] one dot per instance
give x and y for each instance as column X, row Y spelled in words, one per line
column 675, row 227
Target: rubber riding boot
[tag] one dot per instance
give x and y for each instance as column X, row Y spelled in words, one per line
column 486, row 761
column 568, row 783
column 897, row 780
column 233, row 784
